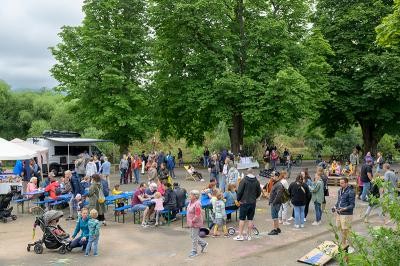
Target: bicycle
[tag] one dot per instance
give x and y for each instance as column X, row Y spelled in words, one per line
column 232, row 230
column 298, row 160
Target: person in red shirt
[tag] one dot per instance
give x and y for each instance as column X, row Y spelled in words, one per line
column 138, row 199
column 52, row 187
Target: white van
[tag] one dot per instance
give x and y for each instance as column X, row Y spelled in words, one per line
column 63, row 151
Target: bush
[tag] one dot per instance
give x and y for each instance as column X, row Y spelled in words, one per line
column 387, row 145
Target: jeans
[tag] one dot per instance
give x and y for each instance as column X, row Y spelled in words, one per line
column 318, row 211
column 136, row 172
column 92, row 240
column 216, row 177
column 365, row 191
column 171, row 173
column 122, row 178
column 222, row 181
column 205, row 163
column 299, row 214
column 273, row 164
column 77, row 242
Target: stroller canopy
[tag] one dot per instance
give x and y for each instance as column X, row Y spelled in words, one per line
column 52, row 215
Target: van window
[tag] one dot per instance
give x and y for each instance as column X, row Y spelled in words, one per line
column 73, row 150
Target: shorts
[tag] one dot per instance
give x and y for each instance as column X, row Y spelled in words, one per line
column 247, row 211
column 275, row 211
column 139, row 207
column 343, row 222
column 220, row 221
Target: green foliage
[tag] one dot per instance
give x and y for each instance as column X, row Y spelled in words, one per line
column 389, row 30
column 102, row 65
column 37, row 127
column 233, row 61
column 110, row 149
column 364, row 81
column 381, row 245
column 387, row 145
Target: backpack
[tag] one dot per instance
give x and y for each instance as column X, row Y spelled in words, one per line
column 285, row 195
column 101, row 199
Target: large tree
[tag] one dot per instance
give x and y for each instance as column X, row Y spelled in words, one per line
column 364, row 84
column 255, row 65
column 102, row 64
column 389, row 30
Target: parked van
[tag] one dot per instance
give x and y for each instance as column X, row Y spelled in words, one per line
column 64, row 148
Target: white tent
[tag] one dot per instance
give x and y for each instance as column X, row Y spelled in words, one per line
column 41, row 152
column 11, row 151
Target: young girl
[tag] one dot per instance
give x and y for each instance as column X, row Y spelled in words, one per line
column 230, row 200
column 94, row 233
column 220, row 215
column 360, row 184
column 158, row 200
column 85, row 183
column 195, row 221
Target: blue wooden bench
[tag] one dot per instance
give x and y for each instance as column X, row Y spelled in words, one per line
column 40, row 202
column 21, row 202
column 232, row 211
column 122, row 209
column 57, row 202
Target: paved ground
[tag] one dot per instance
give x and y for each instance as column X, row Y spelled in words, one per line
column 131, row 244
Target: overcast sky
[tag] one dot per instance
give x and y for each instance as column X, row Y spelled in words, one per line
column 27, row 29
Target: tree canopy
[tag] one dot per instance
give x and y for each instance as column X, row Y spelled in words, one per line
column 364, row 83
column 102, row 65
column 389, row 30
column 254, row 65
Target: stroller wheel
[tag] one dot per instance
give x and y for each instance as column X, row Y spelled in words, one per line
column 68, row 247
column 14, row 217
column 38, row 248
column 231, row 231
column 62, row 250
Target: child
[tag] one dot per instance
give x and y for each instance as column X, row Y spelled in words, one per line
column 213, row 200
column 77, row 204
column 159, row 205
column 230, row 200
column 194, row 173
column 359, row 183
column 117, row 191
column 195, row 221
column 220, row 215
column 94, row 233
column 57, row 230
column 85, row 183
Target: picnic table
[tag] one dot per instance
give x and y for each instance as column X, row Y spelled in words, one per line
column 205, row 202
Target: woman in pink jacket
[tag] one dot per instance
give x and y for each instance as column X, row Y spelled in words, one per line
column 195, row 221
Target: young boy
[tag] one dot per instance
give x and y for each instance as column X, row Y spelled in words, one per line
column 94, row 233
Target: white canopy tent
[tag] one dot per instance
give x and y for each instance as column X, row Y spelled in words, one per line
column 41, row 152
column 10, row 151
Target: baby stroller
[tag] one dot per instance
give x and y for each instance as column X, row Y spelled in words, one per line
column 5, row 209
column 48, row 223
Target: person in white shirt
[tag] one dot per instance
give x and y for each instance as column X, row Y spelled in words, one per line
column 91, row 168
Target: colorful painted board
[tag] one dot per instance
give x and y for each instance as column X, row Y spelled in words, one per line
column 321, row 254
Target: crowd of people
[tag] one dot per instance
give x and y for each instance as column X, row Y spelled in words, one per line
column 227, row 190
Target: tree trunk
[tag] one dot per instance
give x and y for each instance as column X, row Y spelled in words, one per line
column 370, row 138
column 123, row 148
column 236, row 133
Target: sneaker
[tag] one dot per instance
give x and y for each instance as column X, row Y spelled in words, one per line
column 104, row 223
column 86, row 255
column 202, row 180
column 350, row 250
column 290, row 219
column 193, row 254
column 286, row 223
column 296, row 226
column 278, row 230
column 145, row 225
column 249, row 238
column 238, row 238
column 305, row 220
column 96, row 255
column 280, row 221
column 273, row 232
column 302, row 225
column 70, row 218
column 316, row 223
column 203, row 248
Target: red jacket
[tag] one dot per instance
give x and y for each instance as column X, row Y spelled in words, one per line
column 51, row 188
column 136, row 164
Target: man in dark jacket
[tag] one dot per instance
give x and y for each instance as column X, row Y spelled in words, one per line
column 248, row 192
column 181, row 196
column 344, row 208
column 170, row 201
column 275, row 201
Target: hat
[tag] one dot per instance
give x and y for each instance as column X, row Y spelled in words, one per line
column 176, row 184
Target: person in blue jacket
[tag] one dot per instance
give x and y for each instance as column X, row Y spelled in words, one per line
column 81, row 226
